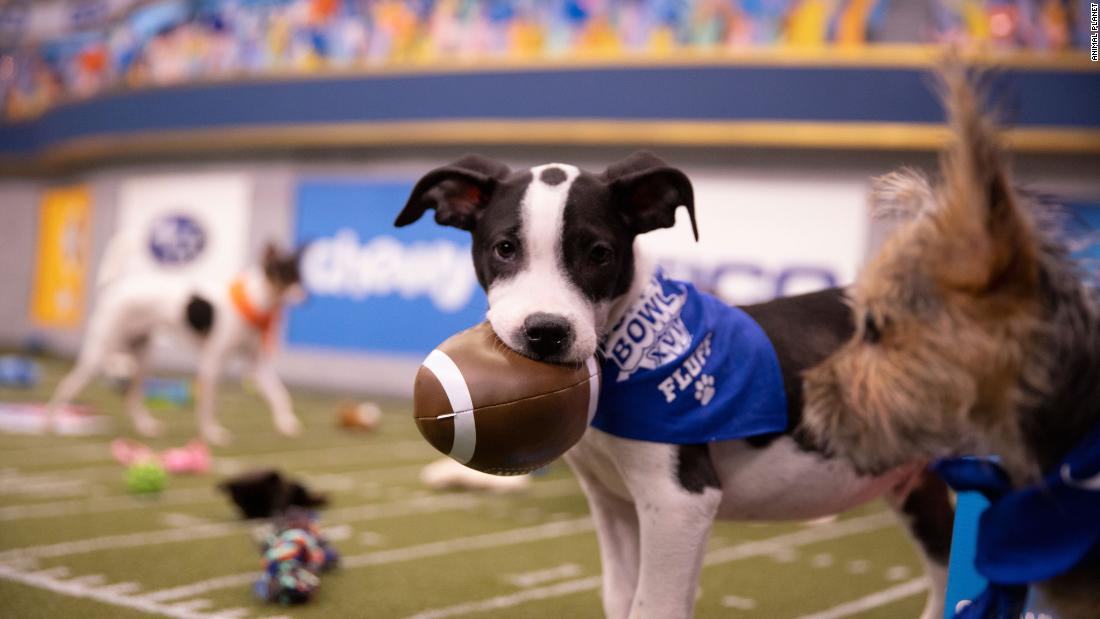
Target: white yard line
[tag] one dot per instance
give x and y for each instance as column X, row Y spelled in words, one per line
column 880, row 598
column 178, row 520
column 551, row 530
column 54, row 572
column 60, row 453
column 201, row 587
column 757, row 548
column 525, row 580
column 329, row 455
column 310, row 457
column 307, row 457
column 67, row 482
column 229, row 613
column 157, row 602
column 15, row 484
column 128, row 540
column 125, row 588
column 195, row 604
column 183, row 496
column 86, row 474
column 737, row 602
column 485, row 541
column 568, row 587
column 26, row 564
column 817, row 533
column 417, row 505
column 100, row 594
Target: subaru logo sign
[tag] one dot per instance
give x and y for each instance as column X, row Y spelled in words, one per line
column 176, row 239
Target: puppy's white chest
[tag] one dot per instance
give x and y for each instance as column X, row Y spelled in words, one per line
column 614, row 463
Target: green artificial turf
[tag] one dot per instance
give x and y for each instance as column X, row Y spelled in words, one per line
column 73, row 543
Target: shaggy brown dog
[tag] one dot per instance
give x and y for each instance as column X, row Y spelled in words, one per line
column 976, row 334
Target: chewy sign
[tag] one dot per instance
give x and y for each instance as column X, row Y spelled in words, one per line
column 373, row 287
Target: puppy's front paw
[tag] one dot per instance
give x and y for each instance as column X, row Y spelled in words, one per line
column 216, row 435
column 288, row 426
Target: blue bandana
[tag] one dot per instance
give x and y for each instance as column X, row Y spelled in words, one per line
column 683, row 367
column 1033, row 534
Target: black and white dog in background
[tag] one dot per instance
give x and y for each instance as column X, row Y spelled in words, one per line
column 230, row 316
column 554, row 249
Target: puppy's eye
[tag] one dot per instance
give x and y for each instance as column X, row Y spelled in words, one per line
column 872, row 330
column 505, row 250
column 600, row 255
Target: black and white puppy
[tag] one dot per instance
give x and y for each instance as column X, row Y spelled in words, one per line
column 237, row 315
column 554, row 248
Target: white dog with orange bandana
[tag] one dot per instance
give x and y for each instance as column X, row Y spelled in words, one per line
column 238, row 315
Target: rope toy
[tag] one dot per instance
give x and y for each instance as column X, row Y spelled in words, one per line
column 294, row 556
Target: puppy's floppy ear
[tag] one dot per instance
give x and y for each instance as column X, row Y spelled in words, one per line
column 648, row 191
column 457, row 192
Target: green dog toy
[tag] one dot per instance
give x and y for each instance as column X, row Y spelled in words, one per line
column 146, row 477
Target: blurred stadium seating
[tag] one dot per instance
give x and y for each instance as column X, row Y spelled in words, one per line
column 56, row 51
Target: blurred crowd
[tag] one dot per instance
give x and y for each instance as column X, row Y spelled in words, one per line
column 65, row 49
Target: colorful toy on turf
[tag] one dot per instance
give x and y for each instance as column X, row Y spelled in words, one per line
column 18, row 371
column 359, row 416
column 168, row 392
column 294, row 556
column 977, row 334
column 499, row 412
column 146, row 477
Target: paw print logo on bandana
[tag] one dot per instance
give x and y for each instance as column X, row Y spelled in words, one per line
column 704, row 389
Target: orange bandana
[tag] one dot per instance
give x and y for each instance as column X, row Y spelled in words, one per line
column 264, row 322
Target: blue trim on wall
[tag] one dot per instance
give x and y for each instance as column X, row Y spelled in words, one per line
column 825, row 94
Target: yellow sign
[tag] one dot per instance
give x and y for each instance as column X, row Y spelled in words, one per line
column 64, row 249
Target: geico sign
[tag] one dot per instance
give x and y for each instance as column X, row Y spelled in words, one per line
column 746, row 282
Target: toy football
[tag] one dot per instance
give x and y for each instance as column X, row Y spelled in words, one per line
column 499, row 412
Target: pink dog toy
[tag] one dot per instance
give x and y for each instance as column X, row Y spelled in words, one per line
column 194, row 457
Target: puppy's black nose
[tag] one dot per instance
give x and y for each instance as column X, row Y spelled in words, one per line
column 547, row 334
